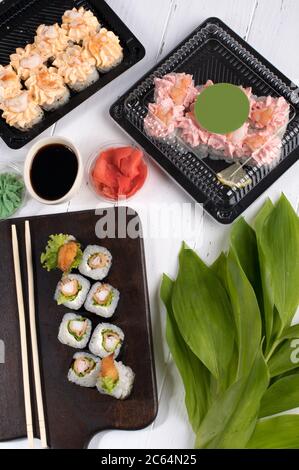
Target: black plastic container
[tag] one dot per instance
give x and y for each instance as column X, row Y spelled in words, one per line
column 18, row 23
column 213, row 51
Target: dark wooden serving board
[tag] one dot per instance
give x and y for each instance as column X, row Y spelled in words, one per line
column 74, row 414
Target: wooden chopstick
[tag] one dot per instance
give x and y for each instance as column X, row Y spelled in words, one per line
column 22, row 324
column 35, row 354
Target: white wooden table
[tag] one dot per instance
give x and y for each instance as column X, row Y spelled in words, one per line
column 272, row 28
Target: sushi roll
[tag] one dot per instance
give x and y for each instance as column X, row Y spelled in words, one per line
column 105, row 48
column 76, row 67
column 102, row 300
column 71, row 291
column 84, row 369
column 115, row 379
column 74, row 331
column 62, row 252
column 106, row 339
column 27, row 61
column 79, row 23
column 163, row 118
column 48, row 89
column 50, row 40
column 21, row 111
column 96, row 262
column 10, row 84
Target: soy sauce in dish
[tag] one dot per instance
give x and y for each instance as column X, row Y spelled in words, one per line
column 53, row 172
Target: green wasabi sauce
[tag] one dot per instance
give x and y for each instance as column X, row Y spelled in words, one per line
column 11, row 194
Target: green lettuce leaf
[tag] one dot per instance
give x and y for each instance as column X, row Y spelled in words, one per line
column 49, row 257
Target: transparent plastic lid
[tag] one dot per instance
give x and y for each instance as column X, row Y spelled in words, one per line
column 226, row 166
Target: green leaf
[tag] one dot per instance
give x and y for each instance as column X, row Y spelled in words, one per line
column 280, row 432
column 195, row 376
column 290, row 333
column 246, row 314
column 283, row 395
column 285, row 358
column 231, row 419
column 202, row 311
column 243, row 241
column 279, row 240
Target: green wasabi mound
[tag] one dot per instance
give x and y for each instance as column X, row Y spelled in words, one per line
column 11, row 194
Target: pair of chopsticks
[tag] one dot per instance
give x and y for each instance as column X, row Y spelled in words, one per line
column 33, row 335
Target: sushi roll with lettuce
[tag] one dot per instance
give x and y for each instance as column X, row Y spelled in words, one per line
column 96, row 262
column 71, row 291
column 106, row 339
column 74, row 330
column 102, row 300
column 115, row 379
column 84, row 370
column 62, row 252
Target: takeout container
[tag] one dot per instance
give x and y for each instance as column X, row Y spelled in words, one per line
column 91, row 165
column 28, row 163
column 213, row 51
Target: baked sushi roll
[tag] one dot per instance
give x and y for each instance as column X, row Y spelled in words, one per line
column 21, row 111
column 27, row 61
column 76, row 67
column 62, row 252
column 10, row 84
column 105, row 48
column 163, row 118
column 50, row 40
column 115, row 379
column 106, row 339
column 48, row 89
column 84, row 370
column 179, row 87
column 79, row 23
column 96, row 262
column 102, row 300
column 71, row 291
column 74, row 331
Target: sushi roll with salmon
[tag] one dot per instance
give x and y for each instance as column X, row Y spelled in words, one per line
column 84, row 369
column 106, row 339
column 71, row 291
column 48, row 89
column 74, row 331
column 115, row 379
column 21, row 111
column 62, row 252
column 102, row 300
column 96, row 262
column 10, row 84
column 27, row 61
column 79, row 23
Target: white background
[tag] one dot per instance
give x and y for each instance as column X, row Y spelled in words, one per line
column 272, row 28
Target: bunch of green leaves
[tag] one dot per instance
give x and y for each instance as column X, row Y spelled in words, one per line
column 229, row 329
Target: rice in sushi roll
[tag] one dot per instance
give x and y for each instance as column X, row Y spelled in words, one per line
column 76, row 67
column 21, row 111
column 74, row 331
column 27, row 61
column 48, row 89
column 96, row 262
column 84, row 369
column 79, row 23
column 71, row 291
column 105, row 48
column 115, row 379
column 102, row 300
column 106, row 339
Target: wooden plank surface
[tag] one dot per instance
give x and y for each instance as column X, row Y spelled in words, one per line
column 272, row 28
